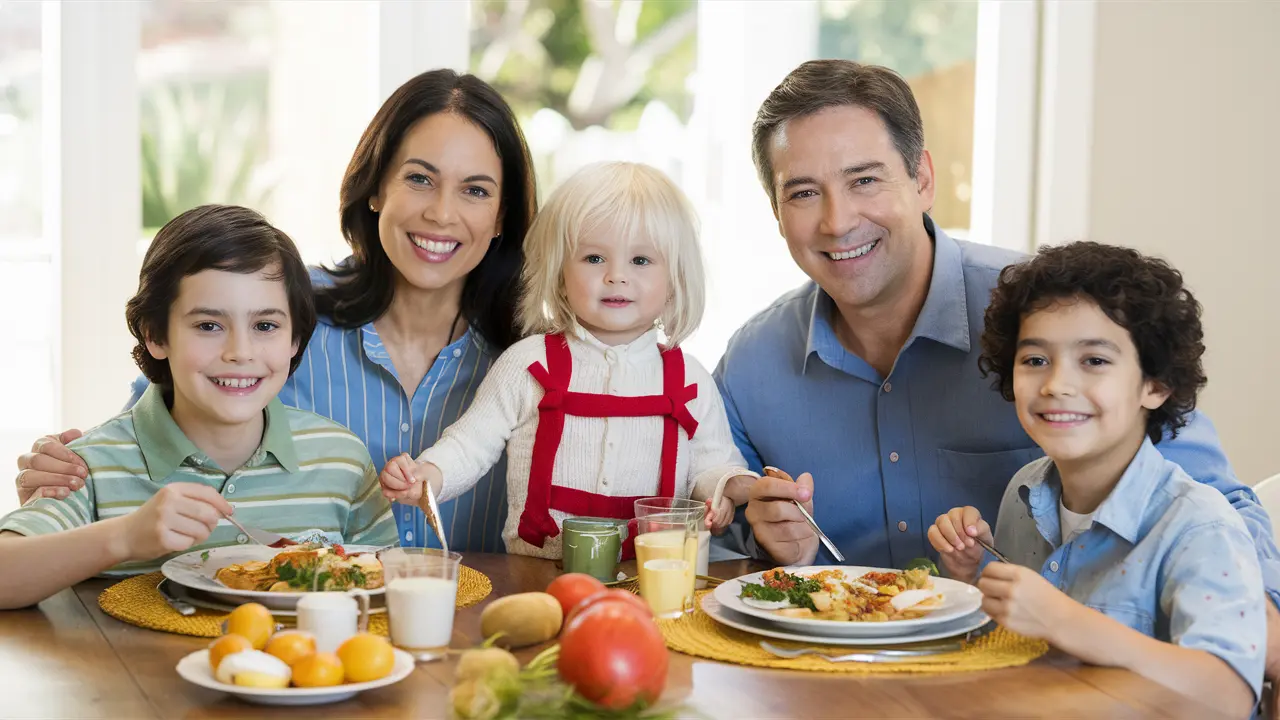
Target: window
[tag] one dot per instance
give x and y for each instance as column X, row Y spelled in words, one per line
column 28, row 286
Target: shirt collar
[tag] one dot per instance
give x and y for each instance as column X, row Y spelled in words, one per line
column 163, row 444
column 944, row 317
column 1124, row 509
column 165, row 447
column 642, row 344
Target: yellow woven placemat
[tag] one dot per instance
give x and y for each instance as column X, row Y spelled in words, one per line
column 697, row 634
column 137, row 602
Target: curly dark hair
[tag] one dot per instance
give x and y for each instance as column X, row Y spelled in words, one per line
column 1141, row 294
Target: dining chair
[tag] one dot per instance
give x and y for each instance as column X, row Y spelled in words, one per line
column 1268, row 492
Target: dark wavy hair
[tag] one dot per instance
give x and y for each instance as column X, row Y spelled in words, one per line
column 363, row 286
column 213, row 237
column 1144, row 295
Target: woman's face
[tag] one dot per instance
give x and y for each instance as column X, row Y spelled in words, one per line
column 439, row 204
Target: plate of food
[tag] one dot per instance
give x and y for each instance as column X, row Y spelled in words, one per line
column 766, row 628
column 276, row 577
column 268, row 678
column 848, row 600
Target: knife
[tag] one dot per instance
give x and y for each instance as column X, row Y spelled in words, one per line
column 831, row 547
column 183, row 608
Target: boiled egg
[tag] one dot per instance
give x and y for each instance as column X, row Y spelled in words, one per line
column 253, row 668
column 911, row 598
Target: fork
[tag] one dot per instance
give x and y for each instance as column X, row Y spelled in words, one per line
column 262, row 537
column 872, row 656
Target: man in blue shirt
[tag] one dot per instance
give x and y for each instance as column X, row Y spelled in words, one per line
column 867, row 377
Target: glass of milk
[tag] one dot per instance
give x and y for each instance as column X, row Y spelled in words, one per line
column 422, row 591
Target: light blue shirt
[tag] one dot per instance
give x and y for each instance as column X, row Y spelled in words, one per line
column 346, row 375
column 891, row 454
column 1166, row 556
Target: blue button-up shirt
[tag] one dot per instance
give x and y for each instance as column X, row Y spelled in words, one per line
column 347, row 376
column 1165, row 556
column 891, row 454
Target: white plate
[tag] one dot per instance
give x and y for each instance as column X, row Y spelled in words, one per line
column 746, row 623
column 959, row 599
column 195, row 597
column 191, row 570
column 195, row 669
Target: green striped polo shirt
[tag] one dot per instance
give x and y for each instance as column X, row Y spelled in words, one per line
column 308, row 474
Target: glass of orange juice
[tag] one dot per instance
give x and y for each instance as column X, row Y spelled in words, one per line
column 667, row 552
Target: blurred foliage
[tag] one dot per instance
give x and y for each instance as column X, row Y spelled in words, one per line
column 911, row 36
column 535, row 52
column 203, row 142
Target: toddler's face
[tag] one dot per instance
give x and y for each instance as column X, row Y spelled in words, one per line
column 616, row 286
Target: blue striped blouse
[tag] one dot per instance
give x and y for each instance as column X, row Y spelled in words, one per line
column 346, row 375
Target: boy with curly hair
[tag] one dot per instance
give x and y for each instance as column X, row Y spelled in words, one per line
column 1136, row 564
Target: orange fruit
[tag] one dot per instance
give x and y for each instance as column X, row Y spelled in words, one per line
column 366, row 657
column 252, row 621
column 227, row 645
column 291, row 645
column 318, row 670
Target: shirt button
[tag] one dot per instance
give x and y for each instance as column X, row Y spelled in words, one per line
column 902, row 526
column 404, row 427
column 1053, row 565
column 893, row 457
column 231, row 488
column 457, row 352
column 242, row 539
column 408, row 536
column 888, row 386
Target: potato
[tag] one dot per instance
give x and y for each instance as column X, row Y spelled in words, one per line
column 478, row 664
column 524, row 619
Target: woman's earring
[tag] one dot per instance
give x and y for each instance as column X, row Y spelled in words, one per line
column 372, row 209
column 496, row 239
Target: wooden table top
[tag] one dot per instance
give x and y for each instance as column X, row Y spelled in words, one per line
column 65, row 658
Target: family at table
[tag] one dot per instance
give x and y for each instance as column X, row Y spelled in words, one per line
column 523, row 366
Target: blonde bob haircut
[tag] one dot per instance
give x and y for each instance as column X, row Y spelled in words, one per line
column 634, row 201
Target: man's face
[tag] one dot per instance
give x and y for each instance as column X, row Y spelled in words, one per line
column 848, row 208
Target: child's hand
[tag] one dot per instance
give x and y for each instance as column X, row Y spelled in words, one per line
column 952, row 535
column 719, row 516
column 399, row 480
column 179, row 516
column 1020, row 599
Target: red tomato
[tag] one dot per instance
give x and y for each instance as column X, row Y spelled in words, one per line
column 572, row 588
column 613, row 655
column 629, row 599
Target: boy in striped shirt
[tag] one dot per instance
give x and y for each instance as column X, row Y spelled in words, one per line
column 221, row 316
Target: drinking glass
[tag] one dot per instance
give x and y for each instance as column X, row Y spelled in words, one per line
column 667, row 552
column 592, row 546
column 422, row 590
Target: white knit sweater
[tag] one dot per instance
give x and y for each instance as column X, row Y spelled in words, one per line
column 607, row 456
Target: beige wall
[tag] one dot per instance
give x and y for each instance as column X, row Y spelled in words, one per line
column 1186, row 164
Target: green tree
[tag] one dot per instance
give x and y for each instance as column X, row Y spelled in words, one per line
column 911, row 36
column 594, row 63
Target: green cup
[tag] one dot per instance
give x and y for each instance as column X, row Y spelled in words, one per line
column 592, row 546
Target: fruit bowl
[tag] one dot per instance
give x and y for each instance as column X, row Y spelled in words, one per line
column 195, row 669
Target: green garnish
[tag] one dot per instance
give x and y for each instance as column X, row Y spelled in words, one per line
column 204, row 556
column 923, row 563
column 783, row 586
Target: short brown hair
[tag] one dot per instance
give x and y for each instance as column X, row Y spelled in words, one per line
column 213, row 237
column 1144, row 295
column 820, row 84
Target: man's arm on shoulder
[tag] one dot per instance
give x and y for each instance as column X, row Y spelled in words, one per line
column 1199, row 452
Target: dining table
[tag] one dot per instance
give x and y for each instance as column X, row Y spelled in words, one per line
column 65, row 658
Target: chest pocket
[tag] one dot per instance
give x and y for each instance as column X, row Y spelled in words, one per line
column 1128, row 615
column 977, row 479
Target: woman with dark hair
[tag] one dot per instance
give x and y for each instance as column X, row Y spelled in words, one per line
column 434, row 204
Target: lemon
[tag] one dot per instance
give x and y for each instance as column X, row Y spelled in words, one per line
column 252, row 621
column 366, row 657
column 226, row 645
column 318, row 670
column 291, row 645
